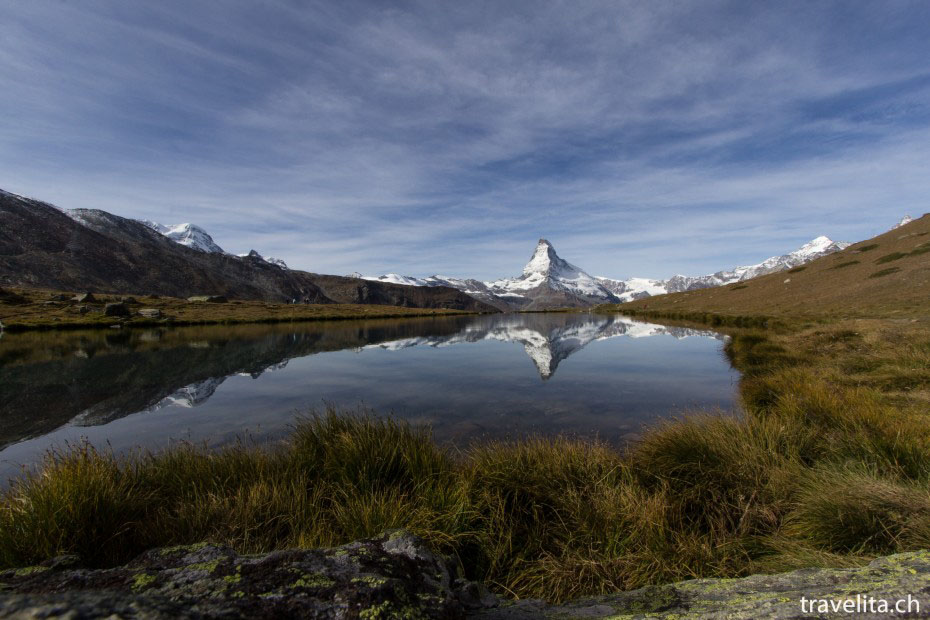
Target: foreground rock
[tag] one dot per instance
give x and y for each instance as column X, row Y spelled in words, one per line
column 825, row 592
column 394, row 576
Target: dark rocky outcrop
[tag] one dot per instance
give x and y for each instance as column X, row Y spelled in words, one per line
column 397, row 576
column 116, row 309
column 394, row 576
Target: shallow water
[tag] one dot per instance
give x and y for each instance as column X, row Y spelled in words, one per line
column 500, row 376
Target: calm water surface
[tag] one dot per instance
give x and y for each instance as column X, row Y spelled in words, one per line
column 467, row 377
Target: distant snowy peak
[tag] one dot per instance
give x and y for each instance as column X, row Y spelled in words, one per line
column 639, row 288
column 189, row 235
column 907, row 219
column 546, row 271
column 253, row 255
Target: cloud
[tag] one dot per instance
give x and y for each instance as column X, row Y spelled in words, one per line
column 419, row 137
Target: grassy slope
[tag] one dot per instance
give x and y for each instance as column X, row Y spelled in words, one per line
column 887, row 276
column 28, row 309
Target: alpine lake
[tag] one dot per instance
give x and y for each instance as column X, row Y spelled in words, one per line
column 469, row 378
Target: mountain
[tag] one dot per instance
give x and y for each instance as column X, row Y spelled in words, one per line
column 89, row 249
column 888, row 275
column 547, row 282
column 907, row 219
column 188, row 235
column 255, row 256
column 640, row 288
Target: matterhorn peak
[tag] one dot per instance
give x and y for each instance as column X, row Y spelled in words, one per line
column 907, row 219
column 543, row 259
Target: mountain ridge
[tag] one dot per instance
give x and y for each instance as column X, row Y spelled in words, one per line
column 43, row 246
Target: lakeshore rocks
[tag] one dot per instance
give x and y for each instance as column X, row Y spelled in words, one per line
column 116, row 309
column 150, row 313
column 396, row 576
column 211, row 299
column 393, row 576
column 889, row 579
column 84, row 298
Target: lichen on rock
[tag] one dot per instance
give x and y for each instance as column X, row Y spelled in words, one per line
column 393, row 576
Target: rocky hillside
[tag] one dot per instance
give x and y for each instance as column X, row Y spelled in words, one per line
column 87, row 249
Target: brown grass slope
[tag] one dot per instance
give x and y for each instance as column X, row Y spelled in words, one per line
column 888, row 275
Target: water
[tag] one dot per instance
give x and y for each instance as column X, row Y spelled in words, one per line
column 500, row 376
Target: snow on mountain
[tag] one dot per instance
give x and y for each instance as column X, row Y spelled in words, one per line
column 189, row 235
column 547, row 271
column 638, row 288
column 253, row 255
column 907, row 219
column 547, row 281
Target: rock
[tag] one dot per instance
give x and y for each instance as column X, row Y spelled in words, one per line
column 83, row 309
column 116, row 309
column 393, row 576
column 128, row 300
column 213, row 299
column 59, row 297
column 150, row 313
column 779, row 596
column 84, row 298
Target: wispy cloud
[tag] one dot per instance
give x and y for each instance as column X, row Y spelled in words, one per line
column 420, row 137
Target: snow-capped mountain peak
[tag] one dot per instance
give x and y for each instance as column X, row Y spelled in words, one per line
column 543, row 259
column 189, row 235
column 816, row 246
column 277, row 262
column 907, row 219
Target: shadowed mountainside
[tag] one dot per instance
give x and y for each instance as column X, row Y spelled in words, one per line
column 40, row 246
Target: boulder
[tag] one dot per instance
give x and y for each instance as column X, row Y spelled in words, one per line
column 116, row 309
column 150, row 313
column 393, row 576
column 212, row 299
column 83, row 310
column 891, row 579
column 128, row 300
column 84, row 298
column 59, row 297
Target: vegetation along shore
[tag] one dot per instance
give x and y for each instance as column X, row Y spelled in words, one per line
column 27, row 309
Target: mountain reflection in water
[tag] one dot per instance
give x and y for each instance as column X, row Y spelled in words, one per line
column 96, row 378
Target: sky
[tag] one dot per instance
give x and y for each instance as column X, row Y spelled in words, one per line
column 641, row 138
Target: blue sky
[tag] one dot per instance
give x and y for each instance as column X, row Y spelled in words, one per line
column 641, row 138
